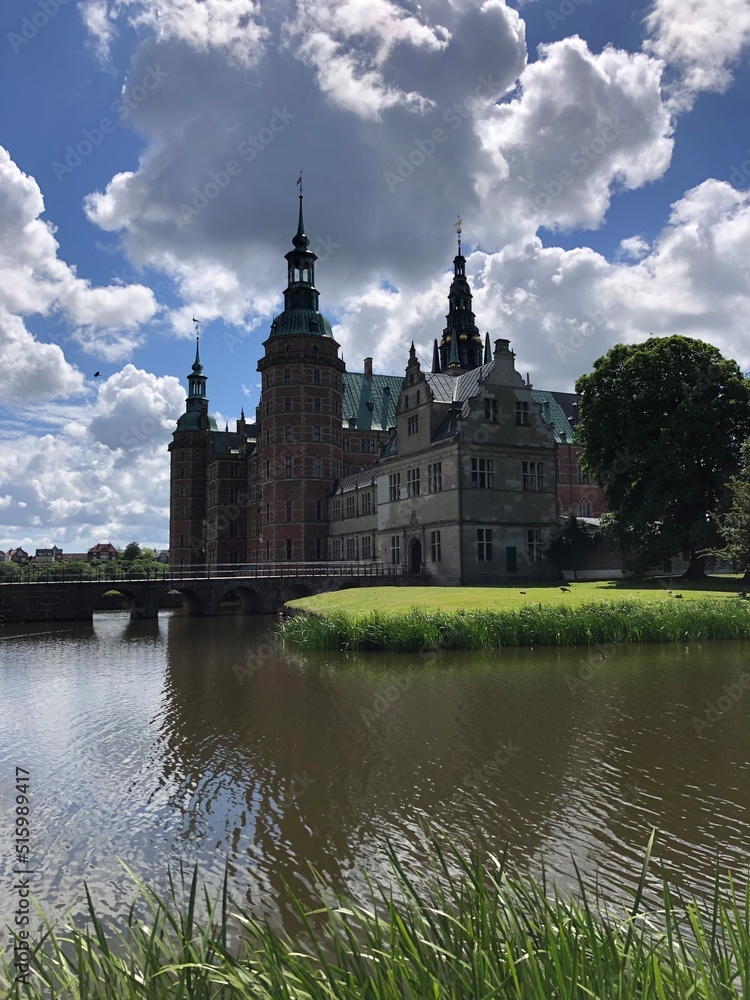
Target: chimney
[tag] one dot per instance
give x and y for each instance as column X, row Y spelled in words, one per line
column 368, row 369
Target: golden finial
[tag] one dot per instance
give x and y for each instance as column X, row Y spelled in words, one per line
column 457, row 227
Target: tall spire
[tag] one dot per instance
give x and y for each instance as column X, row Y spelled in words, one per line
column 435, row 357
column 461, row 346
column 487, row 350
column 300, row 241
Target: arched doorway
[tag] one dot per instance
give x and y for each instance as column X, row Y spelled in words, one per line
column 415, row 557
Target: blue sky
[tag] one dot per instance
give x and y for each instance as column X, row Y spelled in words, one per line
column 598, row 154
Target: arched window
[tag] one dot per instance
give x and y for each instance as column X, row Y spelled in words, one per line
column 584, row 508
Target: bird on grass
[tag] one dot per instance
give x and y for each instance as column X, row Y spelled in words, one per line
column 565, row 590
column 678, row 596
column 522, row 592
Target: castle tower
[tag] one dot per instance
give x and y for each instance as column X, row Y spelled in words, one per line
column 299, row 418
column 461, row 346
column 187, row 489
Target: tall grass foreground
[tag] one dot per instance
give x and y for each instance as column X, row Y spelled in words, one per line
column 468, row 931
column 534, row 625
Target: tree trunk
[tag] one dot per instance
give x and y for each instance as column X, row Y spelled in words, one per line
column 697, row 568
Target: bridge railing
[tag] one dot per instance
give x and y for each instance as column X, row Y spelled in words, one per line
column 225, row 571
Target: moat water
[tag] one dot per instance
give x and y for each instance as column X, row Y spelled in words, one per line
column 201, row 740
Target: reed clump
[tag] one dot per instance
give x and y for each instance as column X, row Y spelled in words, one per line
column 624, row 620
column 469, row 931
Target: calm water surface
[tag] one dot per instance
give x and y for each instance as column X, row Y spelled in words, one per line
column 197, row 739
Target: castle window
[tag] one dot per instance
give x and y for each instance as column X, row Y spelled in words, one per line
column 318, row 510
column 288, row 467
column 368, row 445
column 482, row 473
column 233, row 494
column 337, row 510
column 234, row 471
column 435, row 546
column 287, row 433
column 435, row 477
column 268, row 513
column 316, row 376
column 365, row 546
column 268, row 407
column 533, row 476
column 366, row 501
column 484, row 544
column 395, row 549
column 557, row 468
column 584, row 508
column 522, row 414
column 351, row 548
column 336, row 548
column 317, row 468
column 350, row 505
column 394, row 486
column 320, row 548
column 490, row 410
column 315, row 351
column 346, row 442
column 316, row 433
column 534, row 545
column 289, row 548
column 417, row 397
column 287, row 404
column 289, row 510
column 412, row 482
column 234, row 530
column 287, row 374
column 316, row 404
column 412, row 424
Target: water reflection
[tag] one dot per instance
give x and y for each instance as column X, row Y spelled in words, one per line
column 200, row 739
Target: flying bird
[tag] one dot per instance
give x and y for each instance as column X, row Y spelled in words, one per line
column 97, row 374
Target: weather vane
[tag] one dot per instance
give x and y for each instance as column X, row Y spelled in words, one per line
column 197, row 328
column 299, row 183
column 457, row 227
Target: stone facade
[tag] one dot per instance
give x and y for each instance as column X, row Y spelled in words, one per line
column 459, row 474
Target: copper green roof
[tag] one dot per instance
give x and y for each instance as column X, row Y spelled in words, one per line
column 553, row 411
column 190, row 421
column 370, row 402
column 295, row 321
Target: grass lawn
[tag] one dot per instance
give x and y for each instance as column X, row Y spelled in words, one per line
column 364, row 600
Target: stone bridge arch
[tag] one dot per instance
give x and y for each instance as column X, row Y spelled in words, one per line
column 251, row 600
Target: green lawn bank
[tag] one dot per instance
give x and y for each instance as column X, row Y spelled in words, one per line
column 410, row 619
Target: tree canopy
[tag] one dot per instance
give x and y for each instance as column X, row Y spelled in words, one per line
column 661, row 424
column 734, row 524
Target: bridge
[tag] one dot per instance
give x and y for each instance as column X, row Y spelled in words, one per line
column 45, row 596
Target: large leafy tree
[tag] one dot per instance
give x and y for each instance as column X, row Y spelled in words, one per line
column 661, row 424
column 734, row 523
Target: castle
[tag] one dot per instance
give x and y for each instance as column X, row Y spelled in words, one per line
column 459, row 474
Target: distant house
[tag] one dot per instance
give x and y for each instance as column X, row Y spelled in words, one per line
column 104, row 552
column 3, row 557
column 18, row 556
column 45, row 557
column 77, row 557
column 162, row 556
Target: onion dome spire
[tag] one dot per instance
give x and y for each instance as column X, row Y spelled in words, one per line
column 461, row 346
